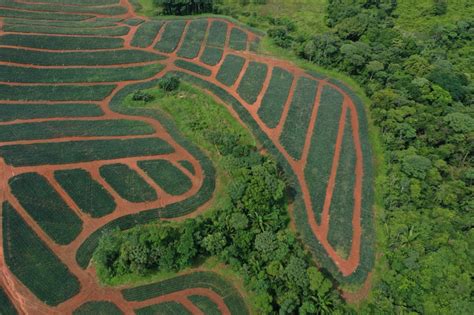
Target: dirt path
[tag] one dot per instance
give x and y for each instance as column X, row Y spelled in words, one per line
column 27, row 303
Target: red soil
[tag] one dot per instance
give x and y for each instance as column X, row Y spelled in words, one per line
column 27, row 303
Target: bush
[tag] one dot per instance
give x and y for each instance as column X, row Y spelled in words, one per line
column 169, row 83
column 139, row 95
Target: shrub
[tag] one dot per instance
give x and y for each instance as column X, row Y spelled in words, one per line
column 139, row 95
column 169, row 83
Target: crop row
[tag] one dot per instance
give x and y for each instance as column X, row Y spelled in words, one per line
column 217, row 34
column 252, row 81
column 46, row 207
column 127, row 183
column 192, row 67
column 42, row 15
column 146, row 34
column 61, row 42
column 97, row 23
column 82, row 151
column 230, row 69
column 46, row 29
column 6, row 306
column 55, row 92
column 211, row 55
column 43, row 58
column 296, row 124
column 205, row 304
column 167, row 176
column 171, row 36
column 60, row 7
column 168, row 308
column 84, row 2
column 10, row 112
column 98, row 307
column 91, row 197
column 273, row 102
column 321, row 151
column 238, row 39
column 33, row 263
column 199, row 279
column 193, row 39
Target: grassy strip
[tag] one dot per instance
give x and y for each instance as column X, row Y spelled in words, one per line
column 60, row 42
column 73, row 75
column 342, row 204
column 97, row 307
column 296, row 125
column 60, row 7
column 217, row 34
column 127, row 183
column 321, row 151
column 65, row 24
column 238, row 39
column 55, row 92
column 73, row 128
column 46, row 207
column 88, row 194
column 167, row 176
column 146, row 34
column 42, row 58
column 211, row 56
column 252, row 81
column 168, row 308
column 171, row 36
column 199, row 279
column 6, row 306
column 33, row 263
column 192, row 67
column 193, row 39
column 230, row 69
column 81, row 151
column 205, row 304
column 42, row 15
column 26, row 111
column 276, row 96
column 46, row 29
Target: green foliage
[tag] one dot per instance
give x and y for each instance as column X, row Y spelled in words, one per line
column 238, row 39
column 205, row 304
column 9, row 112
column 34, row 263
column 171, row 36
column 98, row 308
column 252, row 81
column 88, row 194
column 274, row 100
column 167, row 176
column 43, row 15
column 217, row 34
column 164, row 308
column 440, row 7
column 81, row 151
column 139, row 95
column 6, row 306
column 127, row 183
column 43, row 29
column 296, row 125
column 46, row 207
column 60, row 42
column 184, row 7
column 192, row 67
column 211, row 56
column 60, row 7
column 169, row 83
column 146, row 34
column 230, row 69
column 55, row 92
column 193, row 39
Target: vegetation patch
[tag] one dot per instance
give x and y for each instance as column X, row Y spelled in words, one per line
column 171, row 36
column 60, row 7
column 238, row 39
column 211, row 55
column 230, row 69
column 275, row 97
column 55, row 92
column 205, row 304
column 296, row 124
column 217, row 34
column 192, row 67
column 88, row 194
column 252, row 81
column 10, row 112
column 6, row 306
column 167, row 176
column 193, row 39
column 165, row 308
column 98, row 308
column 146, row 34
column 46, row 207
column 42, row 15
column 60, row 42
column 127, row 183
column 47, row 29
column 33, row 262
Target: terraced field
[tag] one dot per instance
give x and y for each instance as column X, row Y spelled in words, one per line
column 75, row 162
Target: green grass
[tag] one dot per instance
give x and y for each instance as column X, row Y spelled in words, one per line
column 321, row 151
column 61, row 42
column 10, row 112
column 46, row 207
column 127, row 183
column 275, row 97
column 81, row 151
column 6, row 306
column 296, row 125
column 230, row 69
column 192, row 67
column 193, row 39
column 252, row 81
column 171, row 36
column 54, row 92
column 33, row 263
column 205, row 304
column 238, row 39
column 165, row 308
column 342, row 204
column 97, row 308
column 167, row 176
column 146, row 34
column 42, row 58
column 42, row 15
column 211, row 55
column 46, row 29
column 88, row 194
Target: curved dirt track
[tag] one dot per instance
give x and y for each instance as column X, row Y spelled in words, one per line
column 27, row 303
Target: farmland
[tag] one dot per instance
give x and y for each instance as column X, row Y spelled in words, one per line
column 80, row 162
